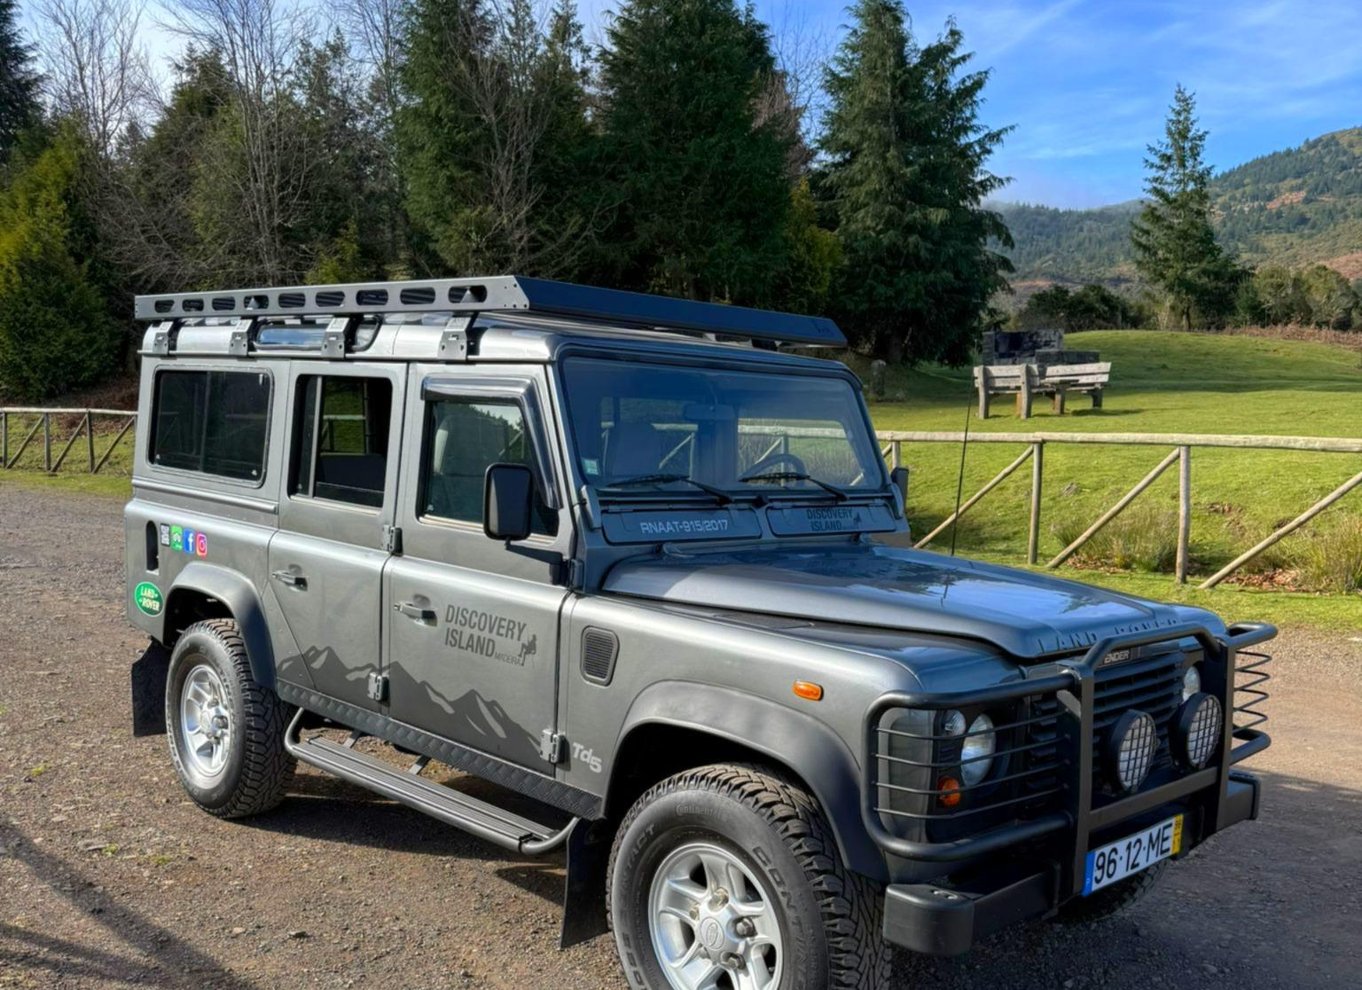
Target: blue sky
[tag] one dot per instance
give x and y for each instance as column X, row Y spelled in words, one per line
column 1087, row 83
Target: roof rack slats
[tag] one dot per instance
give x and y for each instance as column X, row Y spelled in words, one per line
column 504, row 293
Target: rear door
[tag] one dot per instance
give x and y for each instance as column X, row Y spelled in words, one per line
column 473, row 642
column 326, row 562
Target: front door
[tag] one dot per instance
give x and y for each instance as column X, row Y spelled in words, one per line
column 326, row 561
column 473, row 642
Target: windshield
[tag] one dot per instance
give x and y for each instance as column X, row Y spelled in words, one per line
column 711, row 432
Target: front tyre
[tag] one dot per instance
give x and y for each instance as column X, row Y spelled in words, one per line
column 728, row 877
column 226, row 732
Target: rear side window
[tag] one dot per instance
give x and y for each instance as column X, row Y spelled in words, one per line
column 214, row 422
column 340, row 450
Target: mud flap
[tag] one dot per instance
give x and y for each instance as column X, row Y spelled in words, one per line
column 588, row 849
column 149, row 673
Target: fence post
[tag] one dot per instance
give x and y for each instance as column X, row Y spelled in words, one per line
column 47, row 442
column 4, row 439
column 896, row 453
column 1184, row 510
column 89, row 441
column 1037, row 476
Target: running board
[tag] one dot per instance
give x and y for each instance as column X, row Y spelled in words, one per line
column 486, row 821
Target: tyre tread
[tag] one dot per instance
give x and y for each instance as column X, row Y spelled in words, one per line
column 859, row 959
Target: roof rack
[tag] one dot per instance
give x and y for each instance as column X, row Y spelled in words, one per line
column 502, row 293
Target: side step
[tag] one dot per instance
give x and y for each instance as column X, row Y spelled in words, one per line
column 486, row 821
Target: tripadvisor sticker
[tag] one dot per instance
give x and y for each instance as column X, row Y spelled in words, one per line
column 148, row 598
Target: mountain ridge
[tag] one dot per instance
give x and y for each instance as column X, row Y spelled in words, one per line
column 1297, row 206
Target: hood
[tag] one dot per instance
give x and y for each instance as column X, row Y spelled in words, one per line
column 1027, row 615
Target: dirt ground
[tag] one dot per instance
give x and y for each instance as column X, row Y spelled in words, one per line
column 109, row 877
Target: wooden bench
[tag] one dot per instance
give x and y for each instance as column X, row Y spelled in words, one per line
column 1028, row 380
column 1060, row 379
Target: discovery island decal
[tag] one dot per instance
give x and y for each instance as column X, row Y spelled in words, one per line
column 487, row 634
column 147, row 598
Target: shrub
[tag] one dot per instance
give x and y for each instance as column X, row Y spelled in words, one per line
column 1143, row 538
column 1330, row 558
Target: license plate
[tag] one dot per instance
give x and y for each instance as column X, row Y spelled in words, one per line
column 1132, row 854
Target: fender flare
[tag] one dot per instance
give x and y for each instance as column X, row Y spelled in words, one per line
column 791, row 739
column 238, row 595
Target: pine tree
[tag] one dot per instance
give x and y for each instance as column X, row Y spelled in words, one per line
column 1174, row 244
column 55, row 329
column 699, row 185
column 438, row 129
column 18, row 82
column 905, row 180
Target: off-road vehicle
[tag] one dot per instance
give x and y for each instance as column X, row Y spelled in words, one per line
column 632, row 561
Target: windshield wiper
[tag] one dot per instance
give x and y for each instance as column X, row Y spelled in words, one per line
column 719, row 494
column 796, row 476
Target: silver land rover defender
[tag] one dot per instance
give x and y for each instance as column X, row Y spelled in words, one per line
column 629, row 561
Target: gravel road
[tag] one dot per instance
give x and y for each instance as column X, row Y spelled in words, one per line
column 109, row 877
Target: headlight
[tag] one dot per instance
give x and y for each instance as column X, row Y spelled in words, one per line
column 976, row 753
column 1197, row 729
column 1191, row 682
column 1130, row 749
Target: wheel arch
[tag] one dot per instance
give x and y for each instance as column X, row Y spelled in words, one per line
column 676, row 726
column 210, row 591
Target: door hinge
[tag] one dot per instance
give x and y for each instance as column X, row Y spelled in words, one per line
column 551, row 746
column 378, row 687
column 392, row 539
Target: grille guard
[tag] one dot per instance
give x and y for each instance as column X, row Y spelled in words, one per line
column 1072, row 683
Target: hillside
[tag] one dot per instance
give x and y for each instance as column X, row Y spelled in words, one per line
column 1295, row 207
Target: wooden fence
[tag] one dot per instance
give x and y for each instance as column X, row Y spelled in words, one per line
column 892, row 443
column 1181, row 454
column 14, row 419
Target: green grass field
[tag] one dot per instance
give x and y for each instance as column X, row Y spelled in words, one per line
column 1161, row 383
column 1164, row 383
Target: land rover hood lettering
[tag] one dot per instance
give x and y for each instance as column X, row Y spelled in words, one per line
column 1028, row 615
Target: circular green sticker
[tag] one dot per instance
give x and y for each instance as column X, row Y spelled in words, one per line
column 148, row 598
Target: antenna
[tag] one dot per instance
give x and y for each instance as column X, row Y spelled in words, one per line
column 960, row 479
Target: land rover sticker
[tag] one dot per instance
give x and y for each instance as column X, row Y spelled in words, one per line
column 148, row 598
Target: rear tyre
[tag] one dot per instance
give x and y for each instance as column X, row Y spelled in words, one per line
column 226, row 732
column 1113, row 900
column 729, row 877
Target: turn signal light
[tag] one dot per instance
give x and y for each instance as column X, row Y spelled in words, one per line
column 808, row 690
column 949, row 789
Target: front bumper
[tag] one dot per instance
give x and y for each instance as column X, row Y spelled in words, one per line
column 946, row 919
column 1043, row 857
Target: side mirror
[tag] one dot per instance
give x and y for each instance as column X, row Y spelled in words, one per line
column 899, row 479
column 508, row 502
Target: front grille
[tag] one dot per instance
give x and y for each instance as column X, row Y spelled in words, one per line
column 1152, row 685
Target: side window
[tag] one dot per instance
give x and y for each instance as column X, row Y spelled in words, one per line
column 214, row 422
column 340, row 439
column 463, row 439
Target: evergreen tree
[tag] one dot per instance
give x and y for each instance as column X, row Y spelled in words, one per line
column 18, row 82
column 906, row 179
column 1174, row 244
column 699, row 184
column 55, row 329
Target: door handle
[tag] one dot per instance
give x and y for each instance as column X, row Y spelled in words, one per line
column 413, row 611
column 291, row 578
